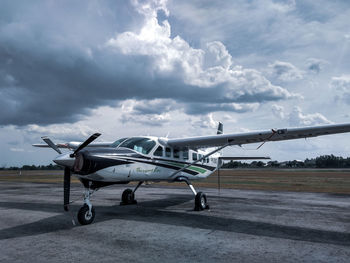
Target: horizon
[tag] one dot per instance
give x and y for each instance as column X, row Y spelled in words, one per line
column 158, row 67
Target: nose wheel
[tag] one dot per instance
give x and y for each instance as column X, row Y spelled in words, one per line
column 85, row 216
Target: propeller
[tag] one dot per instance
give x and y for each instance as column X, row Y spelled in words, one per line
column 66, row 188
column 84, row 144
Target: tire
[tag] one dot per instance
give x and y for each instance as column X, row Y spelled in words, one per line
column 83, row 215
column 200, row 201
column 128, row 197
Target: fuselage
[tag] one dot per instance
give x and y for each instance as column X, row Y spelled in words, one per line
column 140, row 159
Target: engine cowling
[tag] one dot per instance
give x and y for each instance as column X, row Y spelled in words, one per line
column 84, row 164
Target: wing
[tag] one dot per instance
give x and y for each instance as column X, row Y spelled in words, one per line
column 258, row 136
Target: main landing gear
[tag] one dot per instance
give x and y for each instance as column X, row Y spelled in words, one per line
column 128, row 196
column 200, row 201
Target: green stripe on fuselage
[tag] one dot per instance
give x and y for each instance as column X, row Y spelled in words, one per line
column 193, row 168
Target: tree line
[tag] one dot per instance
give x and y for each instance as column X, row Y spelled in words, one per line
column 34, row 167
column 323, row 161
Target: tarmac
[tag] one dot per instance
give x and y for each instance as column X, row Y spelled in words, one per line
column 240, row 226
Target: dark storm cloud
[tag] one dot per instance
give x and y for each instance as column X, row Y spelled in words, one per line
column 54, row 67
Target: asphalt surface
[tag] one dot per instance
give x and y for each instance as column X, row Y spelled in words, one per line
column 240, row 226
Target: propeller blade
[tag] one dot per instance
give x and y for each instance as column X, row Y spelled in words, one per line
column 66, row 188
column 86, row 143
column 51, row 144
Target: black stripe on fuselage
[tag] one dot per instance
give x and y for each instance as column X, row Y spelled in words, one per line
column 210, row 168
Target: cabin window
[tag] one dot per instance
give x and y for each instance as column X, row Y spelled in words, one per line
column 176, row 153
column 185, row 154
column 167, row 152
column 207, row 160
column 200, row 156
column 158, row 151
column 194, row 157
column 139, row 144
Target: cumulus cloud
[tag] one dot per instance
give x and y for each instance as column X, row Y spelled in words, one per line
column 341, row 83
column 204, row 68
column 297, row 118
column 341, row 86
column 285, row 71
column 206, row 121
column 54, row 70
column 151, row 113
column 74, row 131
column 278, row 111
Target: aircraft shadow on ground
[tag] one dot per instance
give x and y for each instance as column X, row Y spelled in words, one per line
column 154, row 211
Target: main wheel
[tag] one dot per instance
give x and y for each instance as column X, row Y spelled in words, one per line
column 84, row 217
column 201, row 201
column 128, row 197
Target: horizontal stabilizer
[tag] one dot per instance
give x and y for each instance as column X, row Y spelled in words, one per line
column 75, row 145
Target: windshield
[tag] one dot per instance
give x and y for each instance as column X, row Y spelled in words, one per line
column 141, row 145
column 117, row 142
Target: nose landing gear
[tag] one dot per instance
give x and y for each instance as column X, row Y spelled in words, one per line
column 86, row 214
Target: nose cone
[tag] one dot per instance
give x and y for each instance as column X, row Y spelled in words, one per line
column 64, row 160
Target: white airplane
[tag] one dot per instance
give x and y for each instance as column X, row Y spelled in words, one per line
column 159, row 159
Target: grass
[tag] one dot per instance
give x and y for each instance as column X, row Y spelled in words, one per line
column 327, row 181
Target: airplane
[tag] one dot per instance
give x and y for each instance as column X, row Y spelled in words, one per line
column 149, row 158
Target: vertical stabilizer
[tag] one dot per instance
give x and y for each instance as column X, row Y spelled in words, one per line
column 220, row 128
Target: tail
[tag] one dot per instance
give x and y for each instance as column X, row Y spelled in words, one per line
column 220, row 129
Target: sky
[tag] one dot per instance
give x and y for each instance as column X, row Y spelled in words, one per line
column 172, row 68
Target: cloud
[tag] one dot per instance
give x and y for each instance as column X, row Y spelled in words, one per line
column 71, row 132
column 278, row 111
column 297, row 118
column 341, row 86
column 16, row 150
column 315, row 65
column 148, row 112
column 211, row 67
column 341, row 83
column 285, row 71
column 54, row 70
column 142, row 107
column 205, row 122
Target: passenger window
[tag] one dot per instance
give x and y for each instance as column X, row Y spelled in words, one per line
column 194, row 157
column 159, row 151
column 200, row 156
column 167, row 152
column 176, row 153
column 185, row 155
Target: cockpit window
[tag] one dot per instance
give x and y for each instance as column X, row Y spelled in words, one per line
column 117, row 142
column 141, row 145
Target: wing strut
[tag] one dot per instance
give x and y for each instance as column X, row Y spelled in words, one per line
column 267, row 139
